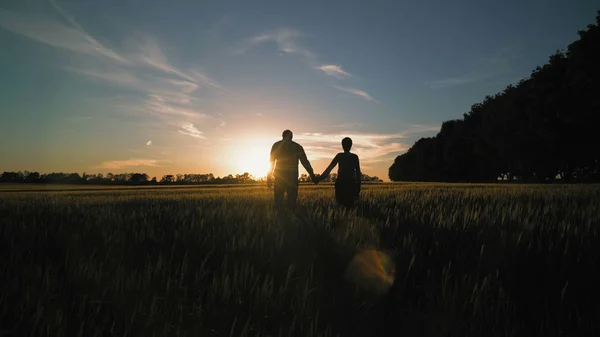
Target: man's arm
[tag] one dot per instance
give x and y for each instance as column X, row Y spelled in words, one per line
column 306, row 164
column 273, row 159
column 330, row 167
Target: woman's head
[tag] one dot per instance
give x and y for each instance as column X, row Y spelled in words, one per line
column 346, row 144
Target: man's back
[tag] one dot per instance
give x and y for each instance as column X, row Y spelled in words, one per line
column 284, row 166
column 287, row 153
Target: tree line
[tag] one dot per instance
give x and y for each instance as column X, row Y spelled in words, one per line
column 142, row 178
column 542, row 129
column 332, row 177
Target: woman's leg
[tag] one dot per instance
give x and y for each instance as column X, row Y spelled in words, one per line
column 345, row 193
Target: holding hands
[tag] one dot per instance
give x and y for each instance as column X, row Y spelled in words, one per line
column 318, row 178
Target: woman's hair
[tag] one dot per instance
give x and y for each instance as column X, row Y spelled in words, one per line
column 346, row 144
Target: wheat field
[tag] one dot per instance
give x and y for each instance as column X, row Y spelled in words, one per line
column 410, row 260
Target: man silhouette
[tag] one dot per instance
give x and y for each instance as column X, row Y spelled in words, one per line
column 285, row 155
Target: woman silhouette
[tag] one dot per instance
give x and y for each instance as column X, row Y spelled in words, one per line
column 347, row 184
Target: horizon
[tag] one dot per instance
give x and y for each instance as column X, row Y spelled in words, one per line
column 176, row 88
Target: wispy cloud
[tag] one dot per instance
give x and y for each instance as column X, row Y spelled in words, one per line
column 150, row 54
column 421, row 128
column 56, row 34
column 456, row 81
column 180, row 89
column 287, row 42
column 485, row 69
column 333, row 70
column 121, row 164
column 171, row 95
column 163, row 97
column 189, row 129
column 357, row 92
column 157, row 105
column 110, row 75
column 149, row 143
column 370, row 147
column 285, row 38
column 347, row 125
column 170, row 92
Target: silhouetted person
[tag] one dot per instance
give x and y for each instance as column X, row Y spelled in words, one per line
column 285, row 155
column 347, row 184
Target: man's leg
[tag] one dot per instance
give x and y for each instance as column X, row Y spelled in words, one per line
column 278, row 192
column 292, row 194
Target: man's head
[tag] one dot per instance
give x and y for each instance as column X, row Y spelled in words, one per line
column 346, row 144
column 287, row 135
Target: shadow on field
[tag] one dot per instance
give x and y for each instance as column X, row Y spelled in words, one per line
column 460, row 281
column 341, row 306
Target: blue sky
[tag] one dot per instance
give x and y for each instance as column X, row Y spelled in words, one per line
column 191, row 86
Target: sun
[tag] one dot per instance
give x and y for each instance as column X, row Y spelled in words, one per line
column 254, row 160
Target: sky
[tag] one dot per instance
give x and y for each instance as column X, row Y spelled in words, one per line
column 167, row 87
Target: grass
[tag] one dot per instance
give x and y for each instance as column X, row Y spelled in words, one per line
column 412, row 260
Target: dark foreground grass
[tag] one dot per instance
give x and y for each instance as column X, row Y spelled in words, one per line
column 412, row 260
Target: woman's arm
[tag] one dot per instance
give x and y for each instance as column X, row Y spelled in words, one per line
column 358, row 173
column 329, row 168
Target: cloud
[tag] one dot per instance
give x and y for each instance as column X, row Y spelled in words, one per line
column 56, row 34
column 186, row 87
column 221, row 24
column 170, row 95
column 188, row 129
column 122, row 78
column 149, row 143
column 370, row 147
column 484, row 69
column 287, row 42
column 357, row 92
column 419, row 128
column 163, row 96
column 157, row 105
column 347, row 125
column 169, row 91
column 450, row 82
column 333, row 70
column 285, row 38
column 121, row 164
column 150, row 54
column 139, row 79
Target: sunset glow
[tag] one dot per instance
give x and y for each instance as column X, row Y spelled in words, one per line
column 252, row 159
column 209, row 87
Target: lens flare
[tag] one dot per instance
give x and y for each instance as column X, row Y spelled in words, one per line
column 373, row 270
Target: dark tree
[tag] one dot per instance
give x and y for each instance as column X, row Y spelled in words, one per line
column 138, row 178
column 540, row 129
